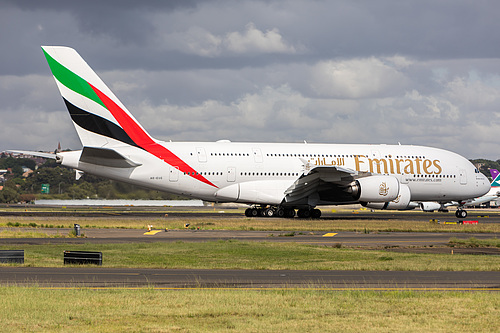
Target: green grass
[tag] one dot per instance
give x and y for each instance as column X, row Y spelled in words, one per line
column 148, row 310
column 256, row 255
column 474, row 242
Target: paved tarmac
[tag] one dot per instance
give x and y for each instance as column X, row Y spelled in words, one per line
column 482, row 215
column 344, row 238
column 98, row 277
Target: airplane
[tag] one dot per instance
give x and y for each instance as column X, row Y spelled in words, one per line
column 275, row 179
column 493, row 194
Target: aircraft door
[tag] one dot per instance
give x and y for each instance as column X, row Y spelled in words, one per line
column 173, row 174
column 231, row 174
column 463, row 177
column 375, row 154
column 257, row 155
column 202, row 156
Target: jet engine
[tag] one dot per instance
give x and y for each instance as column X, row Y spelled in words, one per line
column 430, row 206
column 375, row 189
column 402, row 202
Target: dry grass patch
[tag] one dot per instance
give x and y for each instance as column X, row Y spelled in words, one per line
column 79, row 310
column 221, row 222
column 30, row 234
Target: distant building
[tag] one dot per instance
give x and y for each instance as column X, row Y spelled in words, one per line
column 27, row 172
column 479, row 165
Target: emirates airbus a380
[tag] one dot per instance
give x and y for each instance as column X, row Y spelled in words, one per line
column 275, row 179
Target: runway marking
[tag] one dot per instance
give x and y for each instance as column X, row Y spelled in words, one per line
column 284, row 288
column 152, row 232
column 318, row 241
column 330, row 234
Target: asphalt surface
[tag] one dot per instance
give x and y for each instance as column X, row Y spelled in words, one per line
column 345, row 238
column 102, row 277
column 99, row 277
column 483, row 216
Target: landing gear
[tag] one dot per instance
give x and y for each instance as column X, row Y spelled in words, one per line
column 278, row 211
column 290, row 212
column 461, row 213
column 315, row 213
column 307, row 213
column 304, row 213
column 268, row 212
column 252, row 212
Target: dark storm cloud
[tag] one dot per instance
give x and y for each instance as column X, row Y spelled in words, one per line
column 421, row 72
column 134, row 31
column 427, row 29
column 124, row 20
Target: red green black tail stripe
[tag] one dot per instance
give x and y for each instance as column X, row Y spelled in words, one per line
column 133, row 133
column 143, row 140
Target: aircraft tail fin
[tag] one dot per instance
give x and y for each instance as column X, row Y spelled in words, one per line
column 99, row 117
column 101, row 120
column 495, row 174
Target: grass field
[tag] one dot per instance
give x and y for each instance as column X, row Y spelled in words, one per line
column 36, row 309
column 256, row 255
column 83, row 310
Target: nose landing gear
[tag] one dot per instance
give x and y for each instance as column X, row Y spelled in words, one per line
column 461, row 213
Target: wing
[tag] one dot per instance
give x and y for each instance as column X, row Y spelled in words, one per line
column 323, row 185
column 33, row 153
column 480, row 200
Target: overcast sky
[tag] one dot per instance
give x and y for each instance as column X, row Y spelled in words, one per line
column 387, row 71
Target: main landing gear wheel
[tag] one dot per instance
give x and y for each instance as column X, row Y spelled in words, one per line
column 315, row 213
column 307, row 213
column 290, row 212
column 461, row 214
column 252, row 212
column 268, row 212
column 304, row 213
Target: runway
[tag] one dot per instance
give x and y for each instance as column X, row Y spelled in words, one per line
column 102, row 277
column 344, row 238
column 483, row 216
column 99, row 277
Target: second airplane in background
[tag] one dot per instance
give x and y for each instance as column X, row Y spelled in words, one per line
column 492, row 195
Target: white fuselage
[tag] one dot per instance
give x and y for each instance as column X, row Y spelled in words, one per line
column 260, row 173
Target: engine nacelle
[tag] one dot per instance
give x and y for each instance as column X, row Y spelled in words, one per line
column 375, row 189
column 430, row 206
column 402, row 202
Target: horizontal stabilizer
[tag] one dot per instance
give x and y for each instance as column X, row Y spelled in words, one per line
column 106, row 157
column 33, row 153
